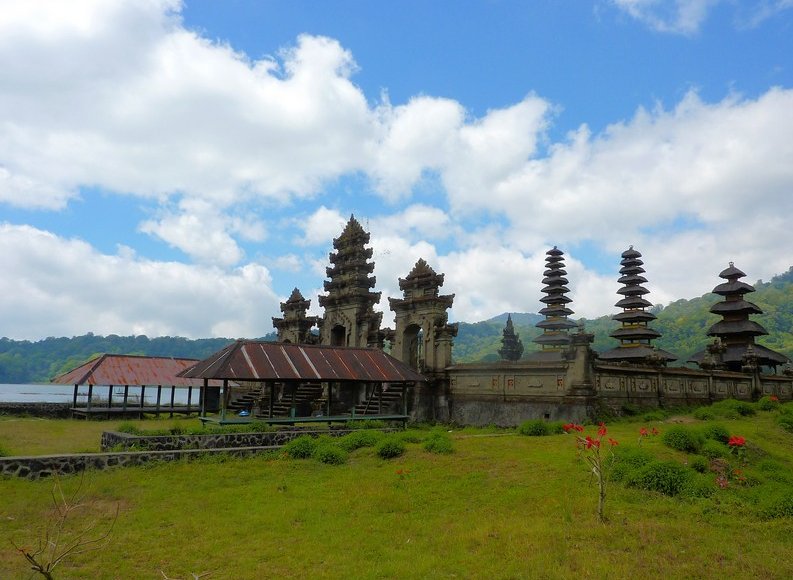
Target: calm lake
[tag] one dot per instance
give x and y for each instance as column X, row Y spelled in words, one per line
column 64, row 394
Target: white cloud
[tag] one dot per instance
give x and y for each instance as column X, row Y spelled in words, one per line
column 675, row 16
column 61, row 287
column 322, row 226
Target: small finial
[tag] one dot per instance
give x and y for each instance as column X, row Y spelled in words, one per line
column 731, row 264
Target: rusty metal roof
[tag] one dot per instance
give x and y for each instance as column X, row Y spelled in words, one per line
column 252, row 360
column 116, row 369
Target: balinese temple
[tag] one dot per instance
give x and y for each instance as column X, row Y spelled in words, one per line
column 555, row 335
column 634, row 334
column 511, row 345
column 295, row 327
column 350, row 318
column 736, row 349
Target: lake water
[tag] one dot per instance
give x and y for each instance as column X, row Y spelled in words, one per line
column 65, row 393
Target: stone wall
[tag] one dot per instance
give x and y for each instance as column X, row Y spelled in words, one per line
column 36, row 467
column 49, row 410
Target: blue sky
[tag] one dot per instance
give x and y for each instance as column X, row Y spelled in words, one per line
column 178, row 167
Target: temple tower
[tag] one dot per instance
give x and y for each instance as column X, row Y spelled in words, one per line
column 634, row 334
column 735, row 331
column 555, row 335
column 350, row 319
column 295, row 327
column 423, row 336
column 511, row 345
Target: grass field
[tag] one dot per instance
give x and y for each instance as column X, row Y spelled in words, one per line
column 501, row 506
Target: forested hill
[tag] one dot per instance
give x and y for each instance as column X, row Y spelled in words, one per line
column 682, row 323
column 37, row 362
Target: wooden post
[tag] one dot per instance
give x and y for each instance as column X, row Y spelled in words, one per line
column 173, row 393
column 126, row 396
column 204, row 390
column 330, row 397
column 189, row 398
column 74, row 398
column 223, row 392
column 109, row 400
column 142, row 399
column 379, row 398
column 294, row 392
column 405, row 399
column 90, row 397
column 272, row 398
column 159, row 397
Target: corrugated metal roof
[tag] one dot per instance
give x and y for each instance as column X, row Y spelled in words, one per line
column 116, row 369
column 254, row 360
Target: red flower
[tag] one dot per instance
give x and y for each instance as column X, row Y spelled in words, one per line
column 736, row 441
column 774, row 399
column 567, row 427
column 601, row 430
column 722, row 482
column 591, row 442
column 643, row 432
column 612, row 442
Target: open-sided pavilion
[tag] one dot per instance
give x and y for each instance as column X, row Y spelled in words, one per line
column 342, row 369
column 113, row 372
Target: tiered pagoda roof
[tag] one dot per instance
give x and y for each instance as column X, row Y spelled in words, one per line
column 555, row 328
column 634, row 334
column 735, row 331
column 295, row 326
column 349, row 275
column 511, row 345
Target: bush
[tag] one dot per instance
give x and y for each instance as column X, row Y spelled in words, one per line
column 785, row 420
column 699, row 464
column 704, row 414
column 716, row 432
column 627, row 460
column 714, row 450
column 776, row 502
column 682, row 439
column 330, row 453
column 412, row 436
column 666, row 477
column 301, row 448
column 732, row 408
column 365, row 424
column 129, row 428
column 534, row 428
column 767, row 404
column 358, row 439
column 390, row 447
column 698, row 486
column 439, row 443
column 657, row 415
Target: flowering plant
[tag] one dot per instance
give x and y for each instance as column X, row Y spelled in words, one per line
column 737, row 446
column 644, row 433
column 598, row 456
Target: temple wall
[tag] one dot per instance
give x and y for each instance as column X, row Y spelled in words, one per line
column 507, row 394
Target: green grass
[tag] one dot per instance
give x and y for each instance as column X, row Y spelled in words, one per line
column 501, row 506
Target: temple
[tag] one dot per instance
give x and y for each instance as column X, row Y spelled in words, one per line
column 562, row 378
column 735, row 348
column 635, row 334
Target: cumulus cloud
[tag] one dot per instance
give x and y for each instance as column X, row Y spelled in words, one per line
column 62, row 287
column 322, row 226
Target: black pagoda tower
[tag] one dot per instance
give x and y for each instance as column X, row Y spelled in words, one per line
column 634, row 334
column 555, row 335
column 511, row 345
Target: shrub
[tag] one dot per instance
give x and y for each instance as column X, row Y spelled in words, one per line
column 698, row 486
column 776, row 502
column 627, row 460
column 365, row 424
column 767, row 403
column 301, row 447
column 785, row 420
column 129, row 428
column 699, row 464
column 412, row 436
column 390, row 447
column 439, row 443
column 732, row 408
column 704, row 414
column 329, row 453
column 716, row 432
column 657, row 415
column 682, row 439
column 666, row 477
column 714, row 450
column 358, row 439
column 534, row 428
